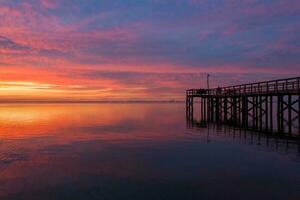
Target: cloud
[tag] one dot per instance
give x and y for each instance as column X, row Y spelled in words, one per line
column 50, row 4
column 145, row 45
column 6, row 43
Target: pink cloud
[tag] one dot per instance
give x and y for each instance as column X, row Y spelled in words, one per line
column 49, row 3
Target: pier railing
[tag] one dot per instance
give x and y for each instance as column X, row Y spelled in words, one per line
column 290, row 85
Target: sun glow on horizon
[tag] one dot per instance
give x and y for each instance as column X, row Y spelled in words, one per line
column 27, row 90
column 33, row 90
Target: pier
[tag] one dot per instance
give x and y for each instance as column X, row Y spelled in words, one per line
column 270, row 106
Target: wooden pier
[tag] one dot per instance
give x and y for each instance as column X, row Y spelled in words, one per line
column 269, row 106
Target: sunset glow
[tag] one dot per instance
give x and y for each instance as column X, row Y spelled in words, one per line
column 142, row 50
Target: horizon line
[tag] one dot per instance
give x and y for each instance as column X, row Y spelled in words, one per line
column 91, row 101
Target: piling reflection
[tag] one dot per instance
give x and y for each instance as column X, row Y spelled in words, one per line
column 265, row 141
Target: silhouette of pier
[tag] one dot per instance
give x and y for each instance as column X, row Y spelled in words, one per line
column 269, row 106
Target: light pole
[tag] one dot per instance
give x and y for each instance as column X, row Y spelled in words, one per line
column 208, row 75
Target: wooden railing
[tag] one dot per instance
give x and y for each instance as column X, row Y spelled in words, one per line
column 265, row 87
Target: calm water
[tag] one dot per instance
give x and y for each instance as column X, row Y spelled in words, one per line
column 136, row 151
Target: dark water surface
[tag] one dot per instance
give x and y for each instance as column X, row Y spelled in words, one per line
column 136, row 151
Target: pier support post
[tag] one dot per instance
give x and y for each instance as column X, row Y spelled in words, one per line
column 189, row 108
column 201, row 108
column 245, row 111
column 289, row 107
column 205, row 106
column 256, row 112
column 225, row 110
column 260, row 113
column 253, row 112
column 299, row 113
column 192, row 108
column 208, row 109
column 234, row 105
column 282, row 114
column 271, row 114
column 218, row 109
column 266, row 113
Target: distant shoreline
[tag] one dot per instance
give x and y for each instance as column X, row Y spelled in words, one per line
column 82, row 102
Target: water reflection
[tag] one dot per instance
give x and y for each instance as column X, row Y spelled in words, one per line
column 134, row 151
column 265, row 142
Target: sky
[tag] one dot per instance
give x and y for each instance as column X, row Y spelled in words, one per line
column 142, row 49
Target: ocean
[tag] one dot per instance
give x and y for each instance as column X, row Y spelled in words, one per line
column 83, row 151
